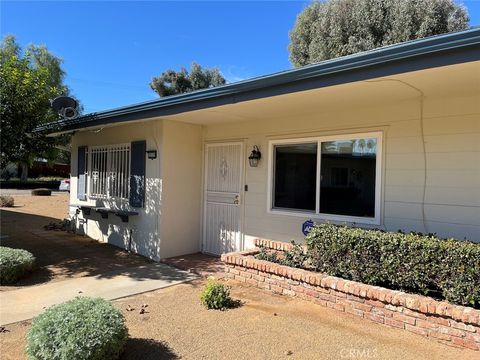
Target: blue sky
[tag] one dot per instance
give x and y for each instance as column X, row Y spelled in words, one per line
column 111, row 50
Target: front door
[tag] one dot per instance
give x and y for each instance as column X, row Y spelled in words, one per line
column 222, row 230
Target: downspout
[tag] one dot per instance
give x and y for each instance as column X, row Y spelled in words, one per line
column 422, row 135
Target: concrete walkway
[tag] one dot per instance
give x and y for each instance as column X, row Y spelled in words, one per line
column 26, row 303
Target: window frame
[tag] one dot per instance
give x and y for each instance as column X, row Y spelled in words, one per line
column 109, row 149
column 378, row 135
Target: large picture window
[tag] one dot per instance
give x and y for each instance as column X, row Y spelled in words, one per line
column 109, row 171
column 332, row 177
column 295, row 176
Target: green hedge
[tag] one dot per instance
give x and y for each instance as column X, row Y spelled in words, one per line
column 41, row 192
column 14, row 263
column 82, row 328
column 410, row 262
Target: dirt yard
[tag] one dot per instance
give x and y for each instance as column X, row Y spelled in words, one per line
column 54, row 206
column 59, row 255
column 175, row 325
column 267, row 326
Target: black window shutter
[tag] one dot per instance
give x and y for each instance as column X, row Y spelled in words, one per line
column 82, row 173
column 137, row 173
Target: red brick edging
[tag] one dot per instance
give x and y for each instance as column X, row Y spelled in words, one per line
column 454, row 324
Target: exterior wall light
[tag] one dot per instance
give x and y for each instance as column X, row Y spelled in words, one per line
column 254, row 157
column 152, row 154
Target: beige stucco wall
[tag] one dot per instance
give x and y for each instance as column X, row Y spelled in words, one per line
column 145, row 226
column 169, row 224
column 451, row 128
column 430, row 158
column 181, row 168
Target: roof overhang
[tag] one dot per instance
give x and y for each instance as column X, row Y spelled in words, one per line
column 427, row 53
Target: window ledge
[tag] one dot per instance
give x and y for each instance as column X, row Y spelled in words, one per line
column 327, row 217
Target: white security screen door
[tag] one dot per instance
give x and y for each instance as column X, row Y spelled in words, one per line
column 222, row 231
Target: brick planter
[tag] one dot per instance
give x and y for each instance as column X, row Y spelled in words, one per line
column 453, row 324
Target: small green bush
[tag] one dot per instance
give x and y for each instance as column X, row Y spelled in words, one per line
column 14, row 263
column 296, row 257
column 63, row 225
column 82, row 328
column 418, row 263
column 216, row 296
column 41, row 192
column 6, row 201
column 267, row 255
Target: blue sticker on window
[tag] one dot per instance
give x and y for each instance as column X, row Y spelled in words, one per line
column 307, row 227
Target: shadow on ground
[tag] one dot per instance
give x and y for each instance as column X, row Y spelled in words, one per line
column 60, row 255
column 147, row 349
column 198, row 263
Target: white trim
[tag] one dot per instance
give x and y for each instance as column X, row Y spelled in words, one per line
column 376, row 220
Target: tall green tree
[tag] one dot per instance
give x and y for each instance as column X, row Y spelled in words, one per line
column 30, row 79
column 328, row 29
column 172, row 82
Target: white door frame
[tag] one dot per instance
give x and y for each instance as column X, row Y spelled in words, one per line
column 241, row 192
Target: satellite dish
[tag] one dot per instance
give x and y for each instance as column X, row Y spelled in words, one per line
column 65, row 106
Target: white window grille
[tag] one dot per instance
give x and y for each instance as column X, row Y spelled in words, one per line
column 109, row 171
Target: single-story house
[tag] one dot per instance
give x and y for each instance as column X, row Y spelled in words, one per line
column 387, row 138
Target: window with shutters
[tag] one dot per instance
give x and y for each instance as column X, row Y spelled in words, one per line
column 109, row 171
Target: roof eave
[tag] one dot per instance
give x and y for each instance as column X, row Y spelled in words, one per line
column 410, row 56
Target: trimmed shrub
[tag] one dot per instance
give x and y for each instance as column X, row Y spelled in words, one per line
column 216, row 296
column 6, row 201
column 63, row 225
column 41, row 192
column 82, row 328
column 267, row 254
column 14, row 263
column 296, row 257
column 411, row 262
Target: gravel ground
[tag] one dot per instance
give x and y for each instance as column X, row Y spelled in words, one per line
column 54, row 206
column 175, row 325
column 27, row 192
column 266, row 326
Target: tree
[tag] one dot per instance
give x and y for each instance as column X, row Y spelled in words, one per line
column 29, row 81
column 333, row 28
column 172, row 82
